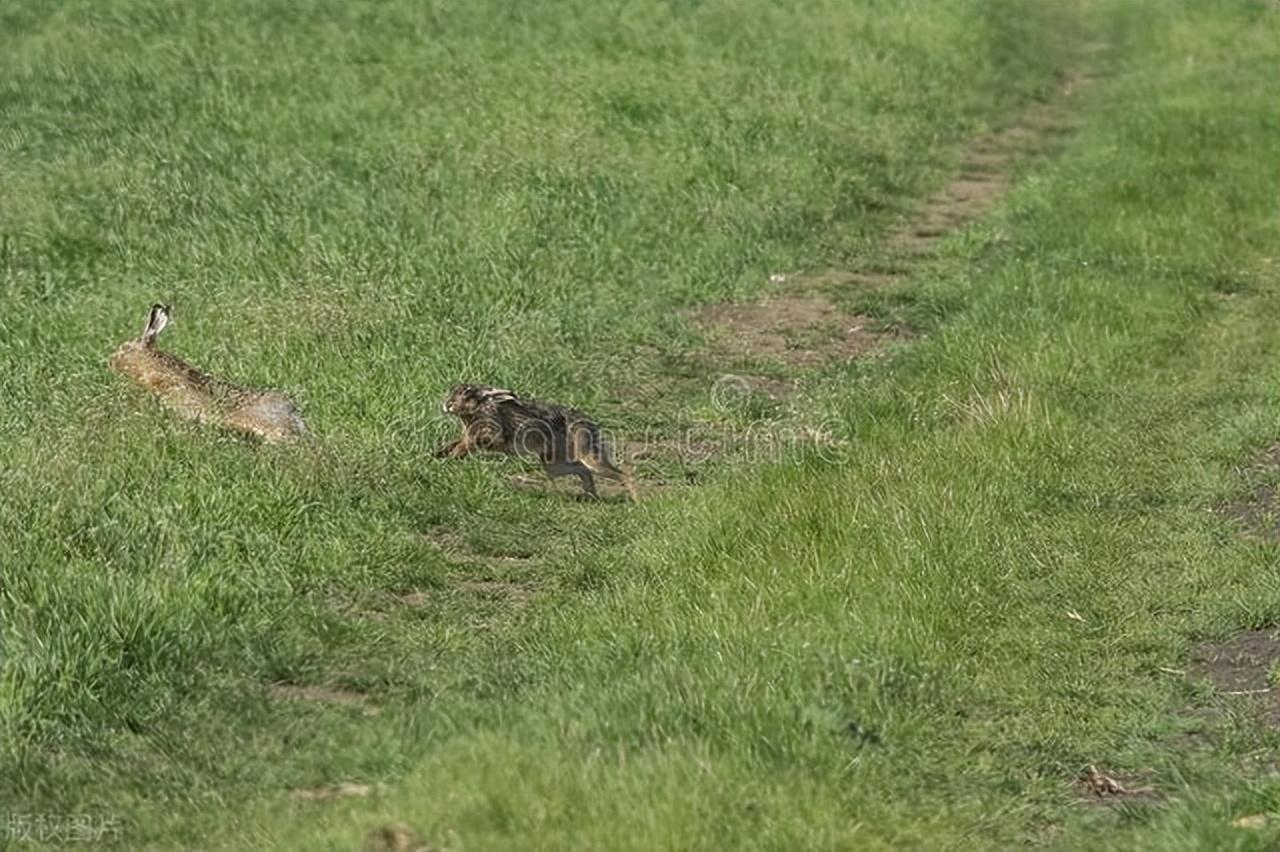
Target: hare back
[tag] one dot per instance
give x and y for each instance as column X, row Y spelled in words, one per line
column 552, row 433
column 166, row 374
column 192, row 393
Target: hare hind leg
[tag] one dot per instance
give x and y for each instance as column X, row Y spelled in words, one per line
column 602, row 465
column 557, row 469
column 590, row 451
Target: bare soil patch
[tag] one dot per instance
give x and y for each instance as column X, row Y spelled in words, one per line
column 801, row 331
column 1240, row 671
column 985, row 175
column 1259, row 512
column 964, row 200
column 1240, row 665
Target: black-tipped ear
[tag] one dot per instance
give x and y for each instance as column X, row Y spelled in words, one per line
column 157, row 319
column 497, row 395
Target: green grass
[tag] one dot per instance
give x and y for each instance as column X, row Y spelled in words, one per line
column 363, row 203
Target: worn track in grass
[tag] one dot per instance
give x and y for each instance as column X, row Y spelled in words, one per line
column 763, row 348
column 801, row 325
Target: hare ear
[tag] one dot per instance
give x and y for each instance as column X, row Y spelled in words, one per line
column 498, row 395
column 156, row 321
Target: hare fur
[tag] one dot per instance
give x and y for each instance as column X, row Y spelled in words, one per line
column 191, row 393
column 564, row 439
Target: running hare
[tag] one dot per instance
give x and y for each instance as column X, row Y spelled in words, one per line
column 270, row 415
column 565, row 440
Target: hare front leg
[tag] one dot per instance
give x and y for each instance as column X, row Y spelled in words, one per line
column 602, row 465
column 456, row 450
column 626, row 480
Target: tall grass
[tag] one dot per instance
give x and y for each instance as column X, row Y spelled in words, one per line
column 362, row 203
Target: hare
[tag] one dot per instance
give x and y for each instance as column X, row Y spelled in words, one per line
column 270, row 415
column 565, row 440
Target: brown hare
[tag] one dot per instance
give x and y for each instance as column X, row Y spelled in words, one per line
column 565, row 440
column 270, row 415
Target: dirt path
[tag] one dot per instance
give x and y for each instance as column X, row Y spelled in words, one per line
column 801, row 325
column 759, row 350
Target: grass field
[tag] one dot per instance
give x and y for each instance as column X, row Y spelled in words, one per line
column 990, row 574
